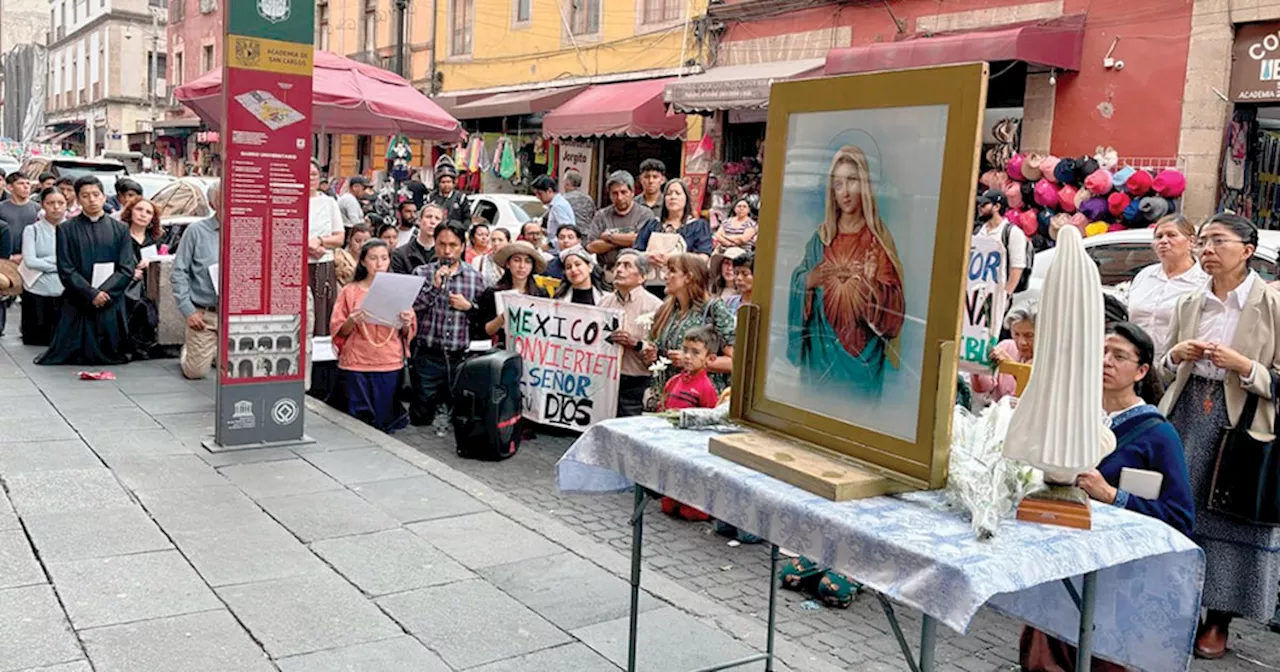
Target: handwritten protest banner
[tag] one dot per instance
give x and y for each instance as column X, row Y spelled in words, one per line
column 984, row 304
column 570, row 367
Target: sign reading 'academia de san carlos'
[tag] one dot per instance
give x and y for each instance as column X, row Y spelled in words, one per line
column 266, row 135
column 1255, row 63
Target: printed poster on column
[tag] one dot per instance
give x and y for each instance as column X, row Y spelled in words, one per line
column 697, row 165
column 266, row 135
column 984, row 304
column 571, row 369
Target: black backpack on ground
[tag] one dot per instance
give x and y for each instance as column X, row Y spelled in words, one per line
column 487, row 404
column 1025, row 280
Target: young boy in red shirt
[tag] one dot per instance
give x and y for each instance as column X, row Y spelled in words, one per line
column 691, row 388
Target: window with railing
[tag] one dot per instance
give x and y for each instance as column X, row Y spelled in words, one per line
column 178, row 10
column 369, row 26
column 661, row 11
column 322, row 26
column 584, row 17
column 461, row 26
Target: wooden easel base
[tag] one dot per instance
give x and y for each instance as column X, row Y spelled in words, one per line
column 803, row 465
column 1062, row 505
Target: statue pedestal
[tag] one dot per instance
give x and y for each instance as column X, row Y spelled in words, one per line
column 1062, row 505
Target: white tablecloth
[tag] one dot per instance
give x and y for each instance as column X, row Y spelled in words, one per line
column 911, row 550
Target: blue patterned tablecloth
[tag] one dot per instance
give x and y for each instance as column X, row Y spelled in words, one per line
column 909, row 548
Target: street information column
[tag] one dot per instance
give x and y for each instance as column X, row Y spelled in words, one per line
column 266, row 131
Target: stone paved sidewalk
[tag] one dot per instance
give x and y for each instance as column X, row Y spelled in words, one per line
column 126, row 547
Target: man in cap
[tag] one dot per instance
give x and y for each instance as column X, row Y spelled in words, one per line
column 349, row 203
column 992, row 205
column 451, row 200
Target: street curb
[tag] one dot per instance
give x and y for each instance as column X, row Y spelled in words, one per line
column 749, row 631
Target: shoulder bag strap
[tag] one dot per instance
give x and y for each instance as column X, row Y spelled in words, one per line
column 1250, row 410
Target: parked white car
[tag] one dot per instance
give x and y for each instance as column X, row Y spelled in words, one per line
column 1121, row 254
column 507, row 211
column 8, row 164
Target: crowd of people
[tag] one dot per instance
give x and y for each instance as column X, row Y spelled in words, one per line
column 1200, row 322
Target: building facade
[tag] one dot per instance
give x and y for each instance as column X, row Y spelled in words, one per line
column 194, row 47
column 95, row 99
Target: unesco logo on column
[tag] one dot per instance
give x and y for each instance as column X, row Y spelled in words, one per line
column 274, row 11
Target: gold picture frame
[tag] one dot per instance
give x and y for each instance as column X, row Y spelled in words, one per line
column 916, row 453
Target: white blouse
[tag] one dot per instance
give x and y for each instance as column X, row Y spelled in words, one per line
column 1153, row 297
column 326, row 220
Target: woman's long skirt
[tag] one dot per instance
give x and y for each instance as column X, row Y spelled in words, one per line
column 371, row 399
column 324, row 287
column 39, row 317
column 1242, row 561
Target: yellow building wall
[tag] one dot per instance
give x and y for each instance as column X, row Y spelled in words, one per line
column 506, row 54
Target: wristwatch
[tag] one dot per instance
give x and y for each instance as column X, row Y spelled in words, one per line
column 639, row 347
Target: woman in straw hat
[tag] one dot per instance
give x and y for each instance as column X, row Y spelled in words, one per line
column 519, row 262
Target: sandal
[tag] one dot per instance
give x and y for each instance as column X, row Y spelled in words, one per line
column 800, row 574
column 837, row 590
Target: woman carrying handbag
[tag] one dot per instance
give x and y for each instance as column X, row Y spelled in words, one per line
column 371, row 356
column 1222, row 351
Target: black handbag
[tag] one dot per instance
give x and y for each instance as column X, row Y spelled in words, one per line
column 1246, row 473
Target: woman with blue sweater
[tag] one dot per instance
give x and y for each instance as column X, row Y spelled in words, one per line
column 1144, row 440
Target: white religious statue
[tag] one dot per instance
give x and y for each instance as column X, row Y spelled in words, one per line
column 1059, row 426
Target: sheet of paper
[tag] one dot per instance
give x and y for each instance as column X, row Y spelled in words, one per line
column 389, row 295
column 322, row 349
column 29, row 275
column 101, row 272
column 214, row 275
column 1141, row 482
column 149, row 252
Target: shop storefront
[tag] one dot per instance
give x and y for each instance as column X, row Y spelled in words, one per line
column 1249, row 180
column 610, row 127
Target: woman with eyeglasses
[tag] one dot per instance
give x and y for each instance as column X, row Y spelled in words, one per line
column 1222, row 348
column 1156, row 289
column 1144, row 440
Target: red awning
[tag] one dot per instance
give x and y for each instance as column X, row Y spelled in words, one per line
column 632, row 109
column 1055, row 43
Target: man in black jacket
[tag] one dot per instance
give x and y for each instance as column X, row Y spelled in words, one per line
column 420, row 250
column 452, row 201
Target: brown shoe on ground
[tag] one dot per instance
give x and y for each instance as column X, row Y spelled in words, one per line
column 1211, row 641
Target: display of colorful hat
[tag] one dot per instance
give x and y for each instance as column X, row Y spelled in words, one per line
column 1096, row 228
column 1057, row 222
column 1031, row 167
column 1095, row 209
column 1099, row 182
column 1117, row 202
column 1133, row 213
column 1027, row 222
column 1046, row 195
column 1028, row 192
column 1088, row 166
column 1043, row 218
column 1013, row 194
column 1107, row 157
column 1139, row 183
column 1116, row 226
column 1067, row 172
column 1170, row 183
column 1067, row 198
column 994, row 179
column 1047, row 165
column 1153, row 208
column 1080, row 222
column 1014, row 167
column 1120, row 177
column 1082, row 195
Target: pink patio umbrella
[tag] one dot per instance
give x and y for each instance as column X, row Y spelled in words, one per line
column 349, row 97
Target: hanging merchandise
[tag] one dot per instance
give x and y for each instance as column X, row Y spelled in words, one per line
column 540, row 151
column 506, row 168
column 1237, row 144
column 400, row 156
column 553, row 159
column 475, row 153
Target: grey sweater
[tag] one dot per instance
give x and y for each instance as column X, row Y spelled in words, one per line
column 197, row 251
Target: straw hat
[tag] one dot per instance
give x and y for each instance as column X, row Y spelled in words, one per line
column 520, row 247
column 10, row 279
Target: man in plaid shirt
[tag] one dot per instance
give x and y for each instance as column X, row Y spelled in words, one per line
column 444, row 308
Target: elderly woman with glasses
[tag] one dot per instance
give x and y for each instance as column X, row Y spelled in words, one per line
column 1222, row 349
column 1021, row 348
